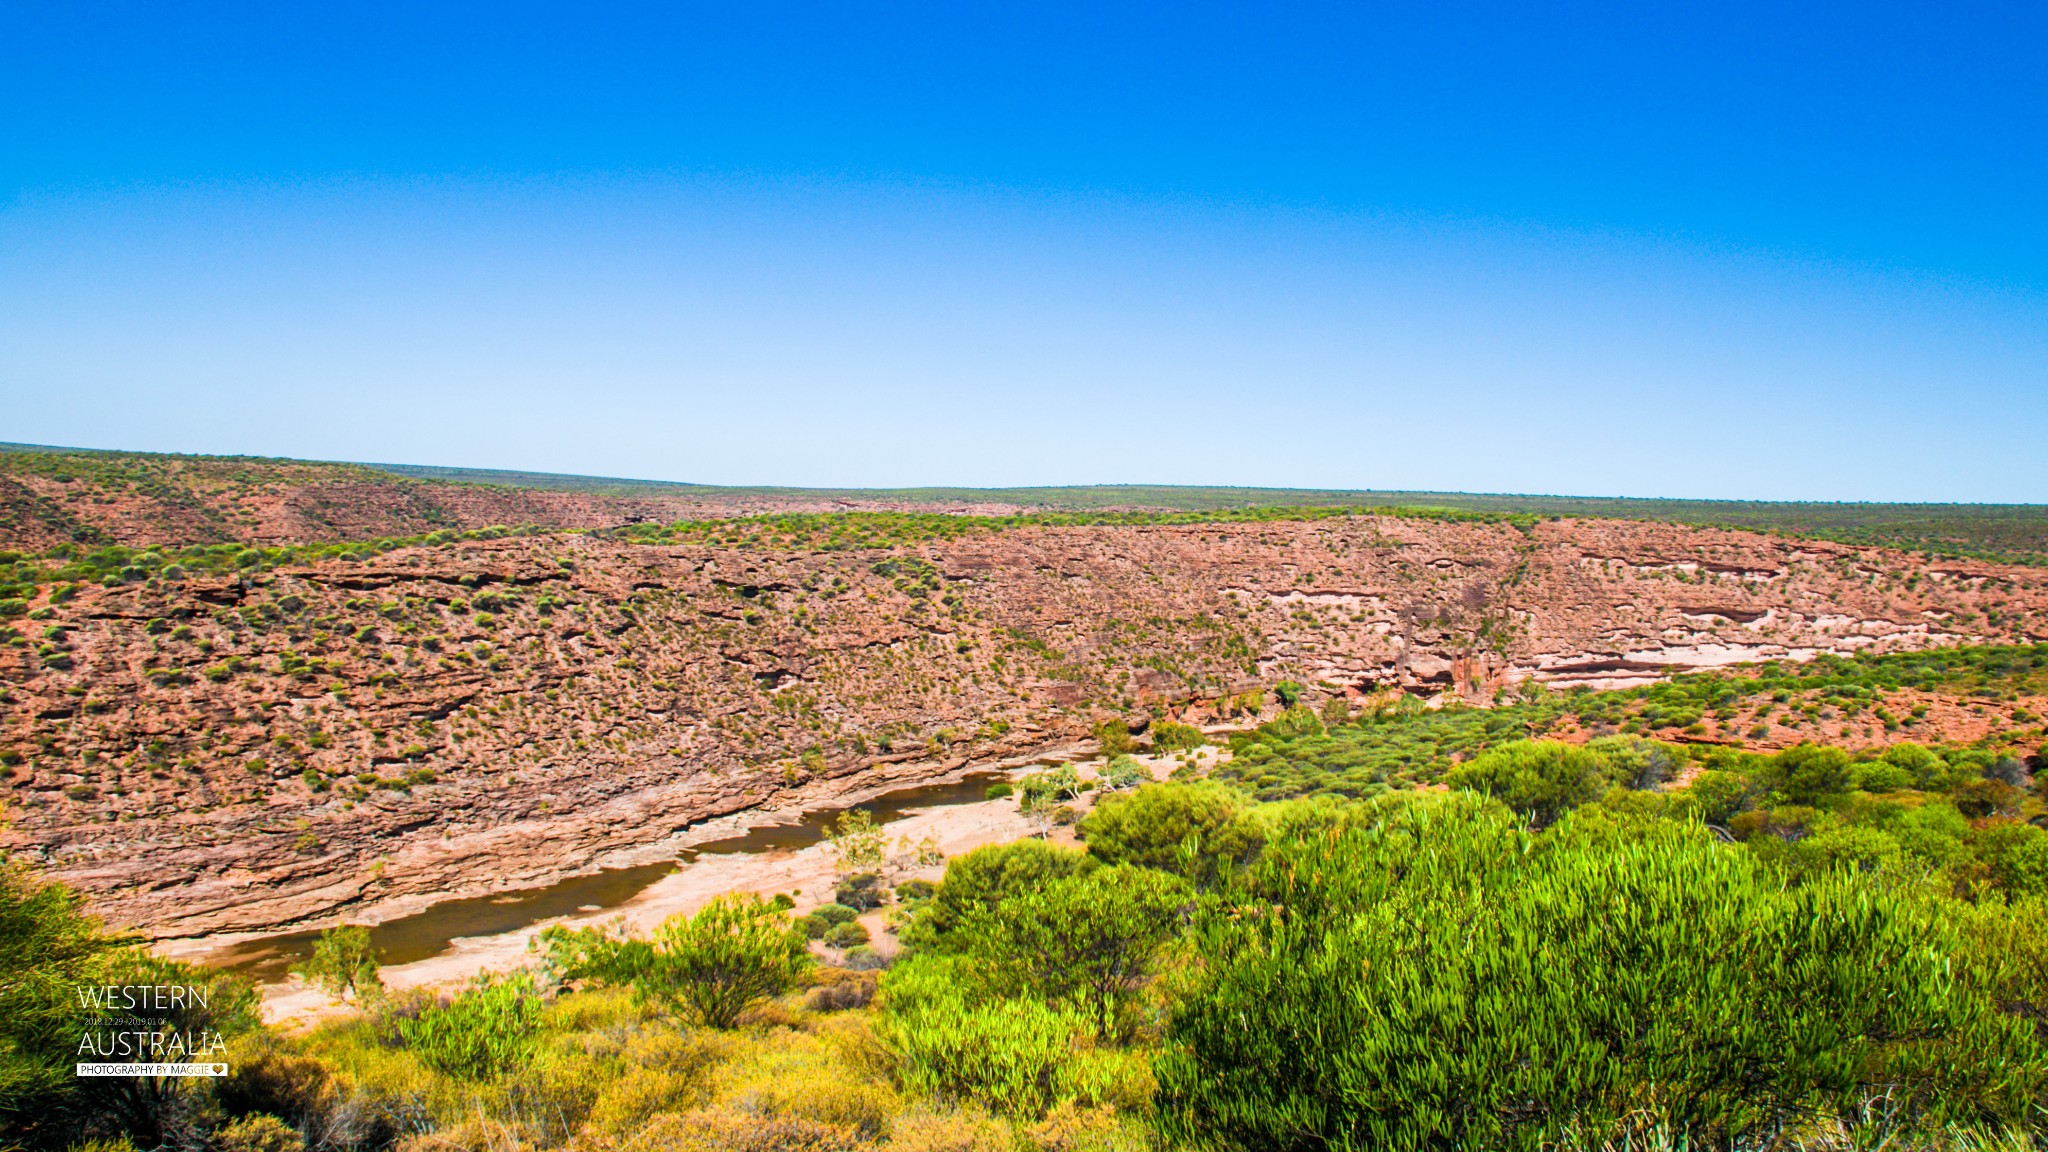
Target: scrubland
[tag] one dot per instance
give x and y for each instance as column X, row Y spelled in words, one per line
column 1371, row 926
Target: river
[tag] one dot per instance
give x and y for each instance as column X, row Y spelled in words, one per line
column 430, row 933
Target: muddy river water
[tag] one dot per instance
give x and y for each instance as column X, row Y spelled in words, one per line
column 430, row 933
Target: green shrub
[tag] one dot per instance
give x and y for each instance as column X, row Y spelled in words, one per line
column 737, row 951
column 1635, row 762
column 1541, row 779
column 1880, row 776
column 1113, row 737
column 482, row 1033
column 1123, row 773
column 1086, row 942
column 1716, row 796
column 258, row 1133
column 862, row 891
column 1041, row 791
column 985, row 877
column 2017, row 856
column 1298, row 721
column 1199, row 831
column 835, row 914
column 1807, row 772
column 998, row 790
column 1016, row 1057
column 846, row 935
column 861, row 958
column 1584, row 984
column 1168, row 736
column 343, row 963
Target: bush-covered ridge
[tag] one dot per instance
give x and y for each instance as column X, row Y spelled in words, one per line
column 1396, row 743
column 835, row 531
column 184, row 491
column 21, row 573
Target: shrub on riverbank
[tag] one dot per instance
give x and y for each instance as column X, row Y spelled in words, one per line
column 734, row 953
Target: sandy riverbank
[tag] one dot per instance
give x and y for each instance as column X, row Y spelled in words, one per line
column 807, row 875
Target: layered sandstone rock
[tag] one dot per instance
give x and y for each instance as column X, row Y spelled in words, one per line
column 218, row 755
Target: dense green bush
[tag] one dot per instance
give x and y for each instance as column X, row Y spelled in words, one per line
column 1113, row 737
column 1121, row 773
column 735, row 952
column 1542, row 779
column 485, row 1031
column 983, row 878
column 1168, row 736
column 1437, row 975
column 1086, row 942
column 835, row 914
column 343, row 963
column 1016, row 1057
column 861, row 891
column 1199, row 831
column 1020, row 1004
column 847, row 935
column 824, row 918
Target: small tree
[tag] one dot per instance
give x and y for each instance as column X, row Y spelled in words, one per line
column 912, row 855
column 1122, row 773
column 1542, row 779
column 1114, row 736
column 1087, row 941
column 1038, row 795
column 857, row 845
column 735, row 952
column 1168, row 736
column 984, row 878
column 343, row 963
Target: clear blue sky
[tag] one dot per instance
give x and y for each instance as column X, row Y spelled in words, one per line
column 1706, row 250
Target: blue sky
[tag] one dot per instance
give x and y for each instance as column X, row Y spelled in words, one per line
column 1723, row 250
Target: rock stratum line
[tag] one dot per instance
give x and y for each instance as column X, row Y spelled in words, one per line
column 220, row 755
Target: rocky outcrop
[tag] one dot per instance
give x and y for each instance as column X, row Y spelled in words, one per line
column 225, row 755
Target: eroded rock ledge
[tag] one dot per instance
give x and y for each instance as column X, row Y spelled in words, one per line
column 217, row 756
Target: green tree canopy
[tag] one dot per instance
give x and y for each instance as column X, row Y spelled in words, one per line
column 1541, row 779
column 985, row 877
column 1086, row 941
column 1199, row 831
column 1439, row 976
column 735, row 952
